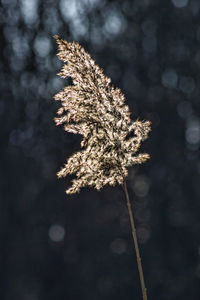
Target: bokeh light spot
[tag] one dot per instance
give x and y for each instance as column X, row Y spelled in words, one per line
column 29, row 10
column 56, row 233
column 42, row 46
column 149, row 27
column 68, row 10
column 118, row 246
column 193, row 131
column 114, row 23
column 169, row 78
column 180, row 3
column 141, row 186
column 186, row 84
column 184, row 109
column 149, row 43
column 143, row 234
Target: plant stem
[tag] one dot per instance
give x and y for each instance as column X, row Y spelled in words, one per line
column 139, row 264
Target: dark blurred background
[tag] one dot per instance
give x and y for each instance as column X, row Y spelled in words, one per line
column 55, row 246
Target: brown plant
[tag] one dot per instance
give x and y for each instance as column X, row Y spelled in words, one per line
column 95, row 109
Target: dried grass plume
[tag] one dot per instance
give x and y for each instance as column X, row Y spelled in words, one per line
column 93, row 108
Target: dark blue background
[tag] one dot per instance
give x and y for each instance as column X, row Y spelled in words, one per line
column 56, row 246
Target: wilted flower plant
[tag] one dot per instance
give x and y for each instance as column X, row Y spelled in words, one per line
column 93, row 108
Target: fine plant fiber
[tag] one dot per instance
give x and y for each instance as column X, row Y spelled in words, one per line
column 93, row 108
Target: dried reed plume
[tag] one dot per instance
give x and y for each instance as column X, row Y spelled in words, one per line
column 95, row 109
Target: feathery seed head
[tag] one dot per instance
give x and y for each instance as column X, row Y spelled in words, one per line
column 96, row 110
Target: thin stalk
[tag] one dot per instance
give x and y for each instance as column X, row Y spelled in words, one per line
column 139, row 264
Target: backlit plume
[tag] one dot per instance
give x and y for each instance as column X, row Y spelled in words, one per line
column 93, row 108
